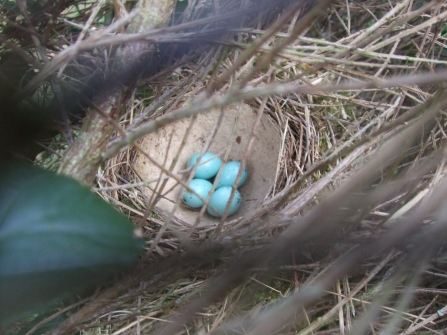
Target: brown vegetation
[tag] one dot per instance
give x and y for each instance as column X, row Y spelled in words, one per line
column 351, row 238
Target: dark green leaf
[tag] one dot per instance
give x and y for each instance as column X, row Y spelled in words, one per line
column 56, row 237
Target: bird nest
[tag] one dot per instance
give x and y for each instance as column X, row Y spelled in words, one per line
column 235, row 134
column 343, row 136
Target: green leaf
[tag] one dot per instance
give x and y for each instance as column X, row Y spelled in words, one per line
column 56, row 238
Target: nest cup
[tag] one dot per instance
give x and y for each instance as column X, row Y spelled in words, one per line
column 233, row 136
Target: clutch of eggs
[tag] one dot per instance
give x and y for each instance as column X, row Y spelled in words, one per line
column 208, row 166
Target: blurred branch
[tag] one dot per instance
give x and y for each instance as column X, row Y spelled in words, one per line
column 233, row 96
column 83, row 158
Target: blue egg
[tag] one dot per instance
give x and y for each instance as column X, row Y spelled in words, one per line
column 202, row 187
column 219, row 200
column 208, row 167
column 229, row 175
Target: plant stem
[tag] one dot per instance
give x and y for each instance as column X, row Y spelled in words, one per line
column 83, row 158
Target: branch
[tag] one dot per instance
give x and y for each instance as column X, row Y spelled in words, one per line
column 83, row 158
column 248, row 93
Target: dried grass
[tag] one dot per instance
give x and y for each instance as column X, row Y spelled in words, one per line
column 351, row 238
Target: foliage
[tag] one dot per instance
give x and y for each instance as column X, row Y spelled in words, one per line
column 56, row 238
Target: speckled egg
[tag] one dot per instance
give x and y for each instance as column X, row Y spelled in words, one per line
column 229, row 175
column 220, row 199
column 202, row 187
column 208, row 167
